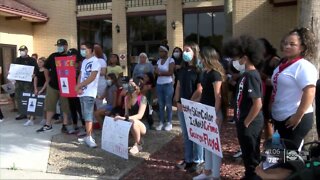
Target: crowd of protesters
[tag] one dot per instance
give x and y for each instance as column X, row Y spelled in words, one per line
column 269, row 93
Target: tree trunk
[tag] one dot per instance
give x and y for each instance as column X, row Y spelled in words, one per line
column 228, row 18
column 310, row 17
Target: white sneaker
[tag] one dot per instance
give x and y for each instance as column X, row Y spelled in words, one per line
column 168, row 127
column 29, row 123
column 90, row 142
column 238, row 154
column 159, row 127
column 1, row 120
column 202, row 176
column 82, row 140
column 136, row 148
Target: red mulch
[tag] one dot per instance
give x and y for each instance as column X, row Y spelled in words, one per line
column 161, row 165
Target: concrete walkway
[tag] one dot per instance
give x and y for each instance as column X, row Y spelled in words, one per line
column 24, row 153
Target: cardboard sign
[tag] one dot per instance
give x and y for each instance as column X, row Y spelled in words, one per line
column 32, row 104
column 66, row 75
column 20, row 72
column 201, row 125
column 8, row 88
column 115, row 136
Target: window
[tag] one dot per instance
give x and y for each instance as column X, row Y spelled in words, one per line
column 206, row 29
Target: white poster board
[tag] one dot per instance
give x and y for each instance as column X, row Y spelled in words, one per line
column 20, row 72
column 115, row 136
column 201, row 125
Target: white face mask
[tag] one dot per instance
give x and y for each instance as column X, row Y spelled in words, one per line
column 23, row 53
column 238, row 66
column 109, row 82
column 176, row 55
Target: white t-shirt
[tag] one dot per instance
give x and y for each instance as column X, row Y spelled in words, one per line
column 87, row 67
column 164, row 68
column 102, row 62
column 290, row 84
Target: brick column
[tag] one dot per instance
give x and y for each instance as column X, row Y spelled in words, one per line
column 174, row 14
column 119, row 39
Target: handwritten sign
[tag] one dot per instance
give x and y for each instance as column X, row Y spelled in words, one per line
column 32, row 104
column 66, row 75
column 115, row 136
column 201, row 125
column 8, row 88
column 20, row 72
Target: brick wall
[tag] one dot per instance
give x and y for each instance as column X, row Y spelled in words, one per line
column 260, row 19
column 62, row 24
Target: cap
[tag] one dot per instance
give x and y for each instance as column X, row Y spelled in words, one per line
column 23, row 48
column 61, row 42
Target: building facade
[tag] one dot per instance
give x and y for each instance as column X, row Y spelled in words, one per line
column 129, row 27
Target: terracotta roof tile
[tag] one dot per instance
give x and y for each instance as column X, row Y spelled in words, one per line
column 18, row 8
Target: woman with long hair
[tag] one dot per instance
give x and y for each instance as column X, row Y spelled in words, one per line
column 213, row 77
column 114, row 66
column 189, row 87
column 136, row 106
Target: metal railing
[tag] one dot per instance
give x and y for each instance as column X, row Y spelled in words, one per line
column 186, row 1
column 91, row 5
column 139, row 3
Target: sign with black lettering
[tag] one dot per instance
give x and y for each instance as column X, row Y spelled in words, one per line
column 32, row 104
column 201, row 125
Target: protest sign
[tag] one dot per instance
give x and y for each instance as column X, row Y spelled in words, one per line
column 115, row 136
column 66, row 75
column 20, row 72
column 32, row 104
column 201, row 125
column 8, row 88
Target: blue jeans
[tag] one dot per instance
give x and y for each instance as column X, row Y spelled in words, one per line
column 87, row 104
column 165, row 93
column 192, row 151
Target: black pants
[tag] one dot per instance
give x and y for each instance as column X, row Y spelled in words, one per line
column 75, row 109
column 318, row 107
column 1, row 115
column 249, row 140
column 295, row 136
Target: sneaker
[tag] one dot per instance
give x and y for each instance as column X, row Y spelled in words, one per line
column 70, row 129
column 64, row 129
column 203, row 176
column 45, row 128
column 136, row 148
column 181, row 165
column 20, row 117
column 82, row 132
column 159, row 127
column 231, row 121
column 82, row 140
column 29, row 123
column 168, row 127
column 1, row 120
column 238, row 154
column 43, row 122
column 194, row 167
column 90, row 142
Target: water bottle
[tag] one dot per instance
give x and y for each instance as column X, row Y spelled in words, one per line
column 276, row 139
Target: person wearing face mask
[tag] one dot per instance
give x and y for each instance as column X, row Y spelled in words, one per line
column 164, row 71
column 53, row 93
column 189, row 87
column 249, row 119
column 87, row 89
column 23, row 86
column 110, row 95
column 177, row 56
column 143, row 66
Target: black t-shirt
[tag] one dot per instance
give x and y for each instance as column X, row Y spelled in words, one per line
column 208, row 78
column 50, row 64
column 249, row 86
column 41, row 79
column 29, row 61
column 189, row 78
